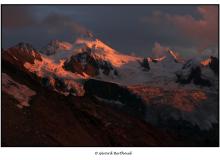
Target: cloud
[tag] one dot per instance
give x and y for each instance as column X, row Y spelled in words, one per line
column 58, row 24
column 23, row 23
column 158, row 50
column 155, row 18
column 202, row 31
column 14, row 17
column 20, row 17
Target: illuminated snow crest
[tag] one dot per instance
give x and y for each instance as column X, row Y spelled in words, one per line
column 56, row 77
column 19, row 91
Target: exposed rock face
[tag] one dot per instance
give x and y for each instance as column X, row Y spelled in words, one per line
column 195, row 77
column 108, row 114
column 115, row 92
column 146, row 64
column 20, row 54
column 56, row 120
column 23, row 57
column 176, row 111
column 214, row 65
column 87, row 62
column 56, row 46
column 192, row 73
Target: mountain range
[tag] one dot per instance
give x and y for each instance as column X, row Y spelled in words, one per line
column 55, row 95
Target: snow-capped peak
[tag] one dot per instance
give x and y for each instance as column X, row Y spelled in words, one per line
column 21, row 53
column 102, row 51
column 167, row 56
column 23, row 45
column 206, row 62
column 56, row 46
column 26, row 47
column 88, row 35
column 200, row 60
column 175, row 55
column 94, row 44
column 201, row 70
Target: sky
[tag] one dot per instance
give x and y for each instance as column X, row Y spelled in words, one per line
column 131, row 29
